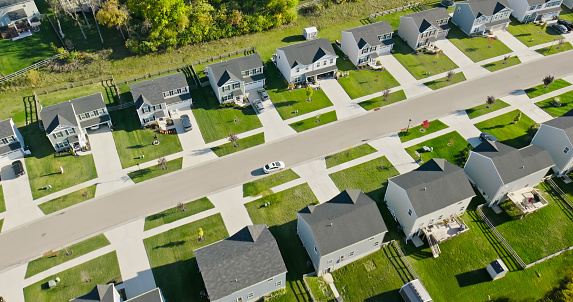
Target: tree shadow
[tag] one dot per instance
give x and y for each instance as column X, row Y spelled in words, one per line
column 156, row 216
column 170, row 244
column 180, row 281
column 473, row 277
column 135, row 147
column 472, row 49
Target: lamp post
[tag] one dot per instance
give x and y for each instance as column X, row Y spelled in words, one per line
column 408, row 128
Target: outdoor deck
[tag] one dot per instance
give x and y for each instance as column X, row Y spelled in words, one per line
column 527, row 200
column 445, row 230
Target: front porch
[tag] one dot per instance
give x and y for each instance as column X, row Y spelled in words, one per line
column 527, row 200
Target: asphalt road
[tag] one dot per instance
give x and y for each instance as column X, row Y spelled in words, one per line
column 89, row 218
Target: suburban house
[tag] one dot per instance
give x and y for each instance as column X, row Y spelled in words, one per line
column 306, row 61
column 244, row 267
column 11, row 141
column 414, row 291
column 231, row 79
column 66, row 123
column 535, row 10
column 366, row 43
column 429, row 200
column 479, row 17
column 341, row 230
column 20, row 17
column 157, row 98
column 568, row 3
column 108, row 293
column 556, row 136
column 422, row 29
column 498, row 171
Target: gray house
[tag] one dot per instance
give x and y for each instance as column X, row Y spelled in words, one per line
column 66, row 123
column 20, row 17
column 556, row 136
column 497, row 169
column 231, row 79
column 422, row 29
column 535, row 10
column 568, row 3
column 157, row 98
column 243, row 267
column 341, row 230
column 366, row 43
column 11, row 141
column 303, row 62
column 108, row 293
column 414, row 291
column 478, row 17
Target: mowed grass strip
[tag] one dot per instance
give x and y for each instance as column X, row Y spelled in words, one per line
column 68, row 200
column 261, row 185
column 376, row 102
column 501, row 64
column 415, row 132
column 516, row 135
column 480, row 110
column 448, row 146
column 313, row 122
column 242, row 144
column 421, row 65
column 156, row 170
column 553, row 49
column 541, row 90
column 444, row 82
column 565, row 104
column 2, row 202
column 176, row 213
column 348, row 155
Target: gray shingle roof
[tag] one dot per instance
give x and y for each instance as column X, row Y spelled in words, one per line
column 240, row 261
column 153, row 295
column 5, row 3
column 486, row 7
column 58, row 114
column 101, row 293
column 308, row 52
column 151, row 91
column 414, row 291
column 368, row 34
column 427, row 18
column 435, row 185
column 537, row 2
column 513, row 164
column 6, row 128
column 231, row 69
column 88, row 103
column 564, row 122
column 346, row 219
column 10, row 147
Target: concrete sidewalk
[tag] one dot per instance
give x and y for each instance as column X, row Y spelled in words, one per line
column 12, row 281
column 20, row 205
column 273, row 124
column 461, row 123
column 230, row 203
column 393, row 149
column 520, row 100
column 523, row 52
column 343, row 105
column 315, row 174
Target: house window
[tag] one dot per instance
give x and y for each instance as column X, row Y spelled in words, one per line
column 410, row 212
column 250, row 295
column 297, row 79
column 225, row 88
column 306, row 68
column 58, row 134
column 539, row 6
column 87, row 115
column 297, row 70
column 279, row 283
column 227, row 97
column 318, row 64
column 7, row 140
column 566, row 150
column 71, row 130
column 95, row 112
column 324, row 63
column 236, row 85
column 376, row 243
column 365, row 50
column 371, row 239
column 271, row 279
column 331, row 61
column 373, row 48
column 80, row 117
column 462, row 209
column 342, row 258
column 351, row 254
column 254, row 71
column 148, row 119
column 146, row 109
column 440, row 218
column 157, row 107
column 459, row 9
column 532, row 7
column 476, row 29
column 316, row 249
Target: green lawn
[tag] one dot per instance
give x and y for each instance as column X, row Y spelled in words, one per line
column 448, row 146
column 421, row 65
column 43, row 168
column 501, row 64
column 394, row 18
column 566, row 104
column 541, row 90
column 105, row 88
column 155, row 170
column 566, row 13
column 131, row 141
column 173, row 262
column 515, row 135
column 310, row 123
column 76, row 281
column 532, row 34
column 263, row 185
column 476, row 48
column 376, row 102
column 175, row 213
column 443, row 82
column 2, row 202
column 480, row 110
column 1, row 223
column 320, row 289
column 242, row 144
column 68, row 200
column 348, row 155
column 414, row 132
column 550, row 50
column 43, row 263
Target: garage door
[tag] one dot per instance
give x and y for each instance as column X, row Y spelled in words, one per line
column 255, row 85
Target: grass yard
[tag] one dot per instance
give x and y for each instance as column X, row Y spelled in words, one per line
column 111, row 36
column 414, row 132
column 501, row 64
column 175, row 213
column 68, row 200
column 242, row 144
column 394, row 18
column 105, row 88
column 310, row 123
column 320, row 289
column 449, row 146
column 443, row 82
column 76, row 281
column 421, row 65
column 2, row 202
column 131, row 141
column 566, row 104
column 541, row 90
column 480, row 110
column 376, row 102
column 155, row 170
column 348, row 155
column 515, row 135
column 532, row 34
column 476, row 48
column 1, row 223
column 216, row 123
column 263, row 185
column 44, row 263
column 550, row 50
column 173, row 262
column 43, row 168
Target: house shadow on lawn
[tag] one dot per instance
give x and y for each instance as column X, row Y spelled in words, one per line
column 393, row 295
column 518, row 142
column 180, row 281
column 36, row 139
column 473, row 277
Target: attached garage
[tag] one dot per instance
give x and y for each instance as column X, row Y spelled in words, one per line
column 254, row 85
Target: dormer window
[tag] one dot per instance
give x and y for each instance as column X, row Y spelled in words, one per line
column 410, row 212
column 365, row 50
column 7, row 140
column 236, row 85
column 146, row 109
column 532, row 7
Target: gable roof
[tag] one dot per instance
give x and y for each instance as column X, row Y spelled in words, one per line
column 231, row 69
column 6, row 3
column 153, row 295
column 88, row 103
column 564, row 122
column 151, row 91
column 486, row 7
column 240, row 261
column 346, row 219
column 513, row 164
column 100, row 293
column 368, row 34
column 435, row 185
column 308, row 52
column 414, row 291
column 427, row 18
column 6, row 128
column 58, row 114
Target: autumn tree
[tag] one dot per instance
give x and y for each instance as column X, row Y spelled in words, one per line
column 547, row 80
column 111, row 15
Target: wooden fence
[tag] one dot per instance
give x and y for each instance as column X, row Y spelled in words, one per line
column 393, row 10
column 246, row 50
column 33, row 66
column 74, row 85
column 404, row 260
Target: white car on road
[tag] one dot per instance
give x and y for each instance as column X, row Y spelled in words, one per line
column 274, row 166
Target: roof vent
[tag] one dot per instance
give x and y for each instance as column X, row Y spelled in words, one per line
column 330, row 224
column 425, row 189
column 236, row 280
column 523, row 167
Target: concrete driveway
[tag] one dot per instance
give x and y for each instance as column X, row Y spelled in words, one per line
column 343, row 105
column 192, row 141
column 273, row 124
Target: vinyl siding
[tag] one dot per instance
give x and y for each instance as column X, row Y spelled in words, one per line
column 305, row 235
column 555, row 140
column 464, row 18
column 342, row 257
column 482, row 172
column 408, row 31
column 398, row 201
column 349, row 47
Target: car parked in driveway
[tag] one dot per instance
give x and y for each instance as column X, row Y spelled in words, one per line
column 259, row 105
column 263, row 93
column 274, row 166
column 566, row 23
column 559, row 28
column 186, row 122
column 18, row 168
column 486, row 136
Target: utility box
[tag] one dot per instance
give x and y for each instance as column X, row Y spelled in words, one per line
column 310, row 33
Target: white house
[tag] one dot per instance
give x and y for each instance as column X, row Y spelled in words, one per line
column 556, row 136
column 108, row 293
column 231, row 79
column 497, row 169
column 535, row 10
column 366, row 43
column 18, row 16
column 341, row 230
column 478, row 17
column 11, row 141
column 303, row 62
column 422, row 29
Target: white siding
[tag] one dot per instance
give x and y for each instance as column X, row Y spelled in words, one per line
column 482, row 172
column 213, row 83
column 344, row 256
column 305, row 235
column 464, row 18
column 398, row 201
column 555, row 141
column 457, row 208
column 349, row 47
column 531, row 180
column 520, row 8
column 283, row 65
column 568, row 3
column 408, row 31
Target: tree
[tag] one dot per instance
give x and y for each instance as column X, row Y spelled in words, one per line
column 162, row 162
column 517, row 118
column 200, row 235
column 80, row 5
column 70, row 10
column 547, row 80
column 233, row 138
column 426, row 124
column 560, row 43
column 490, row 40
column 449, row 75
column 490, row 99
column 309, row 92
column 57, row 10
column 182, row 207
column 385, row 94
column 290, row 86
column 94, row 6
column 111, row 15
column 505, row 58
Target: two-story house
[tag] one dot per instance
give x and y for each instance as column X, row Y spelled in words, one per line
column 556, row 136
column 341, row 230
column 306, row 61
column 17, row 16
column 244, row 267
column 478, row 17
column 157, row 98
column 66, row 123
column 422, row 29
column 535, row 10
column 11, row 141
column 366, row 43
column 231, row 79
